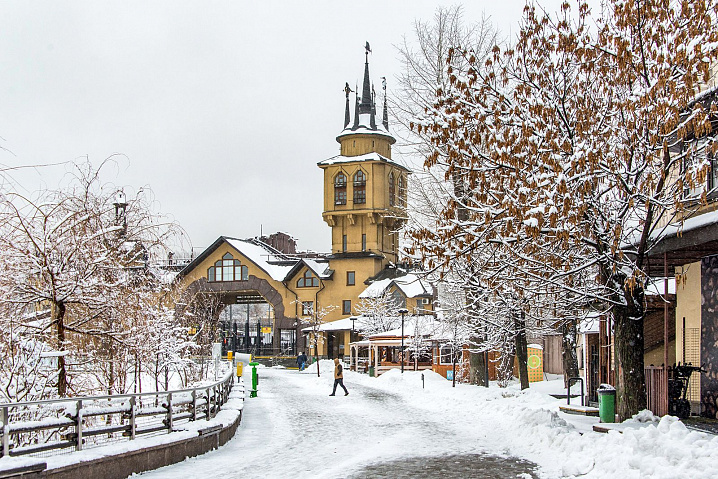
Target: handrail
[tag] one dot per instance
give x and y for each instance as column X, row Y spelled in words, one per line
column 116, row 396
column 99, row 420
column 568, row 390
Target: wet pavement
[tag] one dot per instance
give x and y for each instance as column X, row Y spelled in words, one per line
column 450, row 467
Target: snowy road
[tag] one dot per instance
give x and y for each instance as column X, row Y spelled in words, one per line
column 294, row 429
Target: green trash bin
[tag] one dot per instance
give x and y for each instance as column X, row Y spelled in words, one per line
column 607, row 403
column 371, row 371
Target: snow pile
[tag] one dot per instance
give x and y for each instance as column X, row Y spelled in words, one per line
column 528, row 424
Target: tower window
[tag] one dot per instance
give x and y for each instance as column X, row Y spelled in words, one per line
column 350, row 278
column 340, row 189
column 308, row 280
column 402, row 191
column 392, row 190
column 363, row 242
column 347, row 306
column 359, row 187
column 228, row 269
column 344, row 243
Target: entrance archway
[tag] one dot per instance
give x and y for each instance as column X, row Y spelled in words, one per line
column 262, row 332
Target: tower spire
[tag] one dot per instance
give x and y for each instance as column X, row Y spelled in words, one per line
column 365, row 105
column 385, row 116
column 356, row 110
column 347, row 116
column 372, row 118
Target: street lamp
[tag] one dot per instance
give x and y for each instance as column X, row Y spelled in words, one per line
column 402, row 312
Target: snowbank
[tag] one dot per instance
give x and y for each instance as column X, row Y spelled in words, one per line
column 528, row 424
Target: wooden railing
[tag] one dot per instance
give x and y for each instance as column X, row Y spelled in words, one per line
column 66, row 425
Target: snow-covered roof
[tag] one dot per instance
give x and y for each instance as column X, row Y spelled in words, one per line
column 264, row 258
column 656, row 286
column 364, row 128
column 321, row 269
column 344, row 324
column 367, row 157
column 693, row 223
column 410, row 285
column 426, row 325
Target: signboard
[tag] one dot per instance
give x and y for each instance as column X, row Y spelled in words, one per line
column 535, row 363
column 267, row 329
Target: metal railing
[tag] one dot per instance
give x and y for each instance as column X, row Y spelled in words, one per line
column 50, row 427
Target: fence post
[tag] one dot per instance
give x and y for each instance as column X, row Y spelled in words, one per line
column 5, row 432
column 208, row 409
column 78, row 426
column 133, row 415
column 216, row 402
column 194, row 404
column 169, row 412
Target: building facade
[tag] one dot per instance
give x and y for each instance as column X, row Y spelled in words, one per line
column 364, row 206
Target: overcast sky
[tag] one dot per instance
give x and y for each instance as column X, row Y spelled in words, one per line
column 222, row 107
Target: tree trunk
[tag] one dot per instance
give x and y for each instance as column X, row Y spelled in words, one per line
column 568, row 351
column 59, row 312
column 522, row 354
column 477, row 369
column 628, row 343
column 316, row 352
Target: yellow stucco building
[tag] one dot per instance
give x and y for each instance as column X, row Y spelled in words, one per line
column 364, row 206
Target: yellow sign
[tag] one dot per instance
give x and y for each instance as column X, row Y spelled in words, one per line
column 266, row 329
column 535, row 363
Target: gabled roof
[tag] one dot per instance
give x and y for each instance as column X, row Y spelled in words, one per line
column 410, row 285
column 266, row 258
column 319, row 268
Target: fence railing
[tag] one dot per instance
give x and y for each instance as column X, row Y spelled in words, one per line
column 57, row 426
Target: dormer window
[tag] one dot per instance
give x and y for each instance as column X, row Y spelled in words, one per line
column 228, row 269
column 359, row 187
column 340, row 189
column 308, row 280
column 392, row 190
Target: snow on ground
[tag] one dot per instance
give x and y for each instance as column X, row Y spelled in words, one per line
column 294, row 429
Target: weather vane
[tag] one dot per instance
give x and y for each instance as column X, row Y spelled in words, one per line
column 347, row 90
column 368, row 49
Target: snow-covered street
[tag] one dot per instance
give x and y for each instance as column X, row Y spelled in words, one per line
column 294, row 429
column 392, row 427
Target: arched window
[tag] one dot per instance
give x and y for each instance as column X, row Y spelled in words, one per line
column 308, row 280
column 402, row 191
column 228, row 269
column 340, row 189
column 392, row 190
column 359, row 187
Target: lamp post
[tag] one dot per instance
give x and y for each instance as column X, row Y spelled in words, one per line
column 402, row 312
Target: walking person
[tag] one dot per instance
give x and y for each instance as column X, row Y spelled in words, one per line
column 301, row 358
column 304, row 361
column 338, row 377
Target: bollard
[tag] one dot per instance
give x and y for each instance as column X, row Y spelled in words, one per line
column 422, row 380
column 240, row 369
column 255, row 380
column 229, row 355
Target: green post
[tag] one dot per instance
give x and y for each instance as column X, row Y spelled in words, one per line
column 255, row 380
column 607, row 403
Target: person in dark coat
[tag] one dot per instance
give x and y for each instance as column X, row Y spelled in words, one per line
column 338, row 377
column 301, row 359
column 304, row 361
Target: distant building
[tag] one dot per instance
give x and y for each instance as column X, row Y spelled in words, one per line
column 364, row 205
